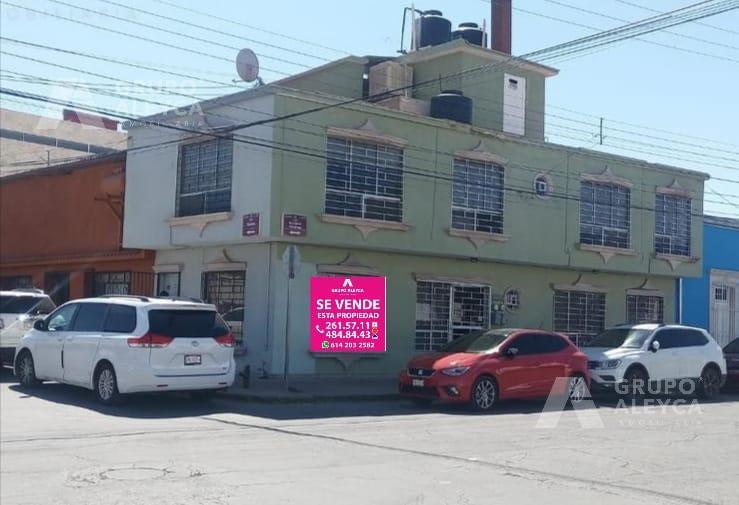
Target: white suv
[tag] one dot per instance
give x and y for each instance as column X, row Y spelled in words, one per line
column 628, row 355
column 19, row 309
column 125, row 344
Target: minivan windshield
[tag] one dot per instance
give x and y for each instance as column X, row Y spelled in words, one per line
column 187, row 323
column 620, row 337
column 24, row 305
column 476, row 342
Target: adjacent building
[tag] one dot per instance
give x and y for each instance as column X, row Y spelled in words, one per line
column 29, row 141
column 710, row 301
column 61, row 229
column 474, row 223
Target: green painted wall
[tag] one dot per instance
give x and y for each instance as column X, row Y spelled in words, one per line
column 534, row 284
column 541, row 232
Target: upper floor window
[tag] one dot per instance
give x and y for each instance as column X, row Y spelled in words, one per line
column 672, row 225
column 364, row 180
column 604, row 214
column 204, row 177
column 477, row 196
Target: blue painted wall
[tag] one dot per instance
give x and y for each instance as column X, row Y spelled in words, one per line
column 720, row 251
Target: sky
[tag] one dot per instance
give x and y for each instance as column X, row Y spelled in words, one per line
column 668, row 97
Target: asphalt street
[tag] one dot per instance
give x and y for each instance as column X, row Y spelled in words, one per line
column 58, row 446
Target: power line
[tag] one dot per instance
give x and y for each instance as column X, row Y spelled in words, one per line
column 615, row 18
column 645, row 8
column 291, row 148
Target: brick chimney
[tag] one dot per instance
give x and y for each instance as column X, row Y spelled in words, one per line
column 501, row 25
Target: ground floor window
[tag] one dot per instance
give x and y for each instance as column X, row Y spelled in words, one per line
column 56, row 285
column 168, row 284
column 225, row 290
column 111, row 283
column 645, row 309
column 445, row 311
column 16, row 282
column 579, row 314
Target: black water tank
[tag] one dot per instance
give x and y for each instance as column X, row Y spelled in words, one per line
column 435, row 29
column 472, row 33
column 452, row 104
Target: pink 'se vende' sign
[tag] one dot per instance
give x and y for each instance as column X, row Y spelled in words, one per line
column 347, row 314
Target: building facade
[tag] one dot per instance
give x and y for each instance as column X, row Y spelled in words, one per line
column 28, row 141
column 473, row 225
column 712, row 300
column 61, row 229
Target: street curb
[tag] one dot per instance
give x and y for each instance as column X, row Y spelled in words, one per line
column 251, row 398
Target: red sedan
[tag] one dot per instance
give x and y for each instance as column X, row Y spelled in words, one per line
column 484, row 367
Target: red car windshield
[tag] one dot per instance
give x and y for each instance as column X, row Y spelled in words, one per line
column 476, row 342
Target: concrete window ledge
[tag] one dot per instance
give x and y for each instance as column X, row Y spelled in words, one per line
column 365, row 226
column 607, row 252
column 199, row 222
column 346, row 359
column 674, row 260
column 478, row 238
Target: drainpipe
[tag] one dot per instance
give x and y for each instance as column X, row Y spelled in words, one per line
column 680, row 300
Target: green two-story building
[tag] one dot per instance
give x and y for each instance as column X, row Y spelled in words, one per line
column 473, row 223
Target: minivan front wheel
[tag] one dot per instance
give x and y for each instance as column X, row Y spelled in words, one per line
column 25, row 370
column 484, row 394
column 106, row 385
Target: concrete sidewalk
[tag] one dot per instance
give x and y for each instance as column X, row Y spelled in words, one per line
column 303, row 389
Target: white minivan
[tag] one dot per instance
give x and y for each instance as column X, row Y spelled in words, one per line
column 126, row 344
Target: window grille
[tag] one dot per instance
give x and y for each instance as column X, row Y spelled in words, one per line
column 644, row 309
column 445, row 311
column 672, row 225
column 604, row 214
column 364, row 180
column 205, row 172
column 477, row 196
column 225, row 290
column 579, row 314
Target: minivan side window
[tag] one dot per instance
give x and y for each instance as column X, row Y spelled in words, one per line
column 61, row 320
column 90, row 317
column 120, row 319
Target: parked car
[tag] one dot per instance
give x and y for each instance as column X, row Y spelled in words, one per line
column 126, row 344
column 731, row 354
column 488, row 366
column 631, row 355
column 19, row 309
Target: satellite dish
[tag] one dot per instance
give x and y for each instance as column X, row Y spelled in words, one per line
column 247, row 65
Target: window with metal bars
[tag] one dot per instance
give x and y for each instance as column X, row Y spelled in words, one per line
column 645, row 309
column 112, row 283
column 204, row 177
column 445, row 311
column 604, row 214
column 672, row 225
column 364, row 180
column 477, row 196
column 579, row 314
column 225, row 290
column 16, row 282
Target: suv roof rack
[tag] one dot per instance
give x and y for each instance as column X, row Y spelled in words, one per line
column 193, row 299
column 135, row 297
column 30, row 290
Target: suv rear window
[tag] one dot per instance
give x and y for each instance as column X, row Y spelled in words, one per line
column 25, row 305
column 187, row 323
